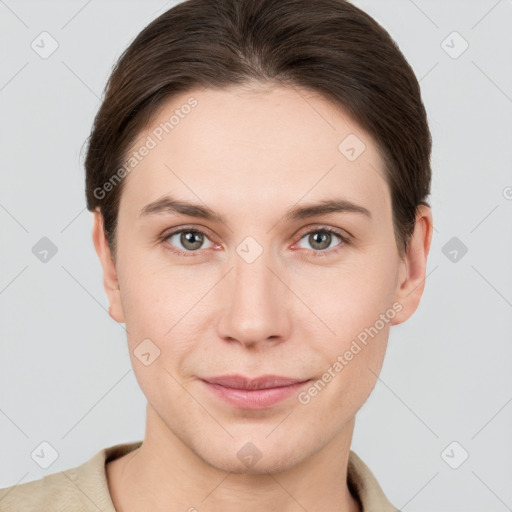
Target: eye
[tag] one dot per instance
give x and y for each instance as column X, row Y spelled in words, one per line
column 186, row 241
column 323, row 240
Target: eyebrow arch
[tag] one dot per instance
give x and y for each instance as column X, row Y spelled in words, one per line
column 324, row 207
column 168, row 204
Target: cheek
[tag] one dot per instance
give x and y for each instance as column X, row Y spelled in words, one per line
column 357, row 304
column 162, row 307
column 350, row 365
column 156, row 295
column 346, row 382
column 352, row 297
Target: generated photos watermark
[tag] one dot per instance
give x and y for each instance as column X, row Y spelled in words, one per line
column 355, row 348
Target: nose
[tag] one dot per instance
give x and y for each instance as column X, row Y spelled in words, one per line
column 256, row 303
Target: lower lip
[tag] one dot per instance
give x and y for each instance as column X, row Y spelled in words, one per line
column 256, row 398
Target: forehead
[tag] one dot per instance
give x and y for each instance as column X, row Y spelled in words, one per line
column 254, row 147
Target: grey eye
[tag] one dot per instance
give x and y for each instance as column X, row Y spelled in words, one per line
column 320, row 239
column 190, row 240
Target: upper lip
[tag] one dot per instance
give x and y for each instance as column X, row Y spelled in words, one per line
column 263, row 382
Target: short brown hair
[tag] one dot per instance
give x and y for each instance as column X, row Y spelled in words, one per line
column 330, row 47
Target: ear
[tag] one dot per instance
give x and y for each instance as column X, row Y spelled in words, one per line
column 413, row 266
column 110, row 281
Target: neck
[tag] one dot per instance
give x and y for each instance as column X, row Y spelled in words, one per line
column 165, row 474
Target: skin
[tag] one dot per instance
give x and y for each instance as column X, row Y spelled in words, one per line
column 250, row 154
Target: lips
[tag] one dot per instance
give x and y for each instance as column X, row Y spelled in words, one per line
column 260, row 393
column 263, row 382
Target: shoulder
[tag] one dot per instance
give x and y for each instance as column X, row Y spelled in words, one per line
column 52, row 492
column 80, row 489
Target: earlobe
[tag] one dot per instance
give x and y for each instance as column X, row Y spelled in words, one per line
column 110, row 280
column 412, row 274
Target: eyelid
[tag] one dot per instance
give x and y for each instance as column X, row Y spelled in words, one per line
column 177, row 229
column 342, row 233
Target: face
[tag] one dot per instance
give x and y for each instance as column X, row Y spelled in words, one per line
column 264, row 284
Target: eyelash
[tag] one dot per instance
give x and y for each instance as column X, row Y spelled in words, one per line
column 344, row 241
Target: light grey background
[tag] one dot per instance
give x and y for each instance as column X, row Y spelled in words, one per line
column 66, row 377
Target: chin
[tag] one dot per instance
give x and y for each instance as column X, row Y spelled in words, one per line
column 258, row 456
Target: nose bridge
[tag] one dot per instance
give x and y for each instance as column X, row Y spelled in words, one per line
column 253, row 281
column 255, row 309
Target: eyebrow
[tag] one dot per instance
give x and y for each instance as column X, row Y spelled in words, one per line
column 171, row 205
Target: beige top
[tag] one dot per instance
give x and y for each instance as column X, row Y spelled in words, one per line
column 84, row 488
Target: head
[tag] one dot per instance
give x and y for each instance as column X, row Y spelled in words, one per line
column 259, row 174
